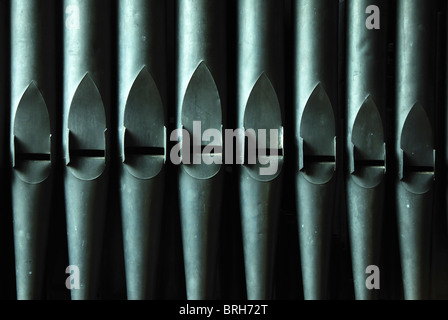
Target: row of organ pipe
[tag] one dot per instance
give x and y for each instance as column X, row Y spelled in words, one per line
column 92, row 90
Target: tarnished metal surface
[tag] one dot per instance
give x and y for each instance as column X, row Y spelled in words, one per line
column 142, row 138
column 316, row 116
column 331, row 184
column 415, row 141
column 260, row 72
column 366, row 140
column 200, row 96
column 85, row 137
column 32, row 144
column 4, row 79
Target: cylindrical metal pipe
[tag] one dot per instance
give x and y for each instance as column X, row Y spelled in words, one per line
column 366, row 137
column 4, row 77
column 316, row 101
column 415, row 99
column 86, row 105
column 201, row 105
column 32, row 138
column 141, row 127
column 260, row 102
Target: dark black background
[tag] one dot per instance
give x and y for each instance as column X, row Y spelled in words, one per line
column 230, row 277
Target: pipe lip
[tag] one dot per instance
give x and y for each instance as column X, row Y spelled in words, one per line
column 201, row 111
column 86, row 132
column 31, row 137
column 263, row 114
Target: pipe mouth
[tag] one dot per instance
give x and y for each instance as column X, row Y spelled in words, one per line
column 315, row 168
column 86, row 132
column 263, row 144
column 368, row 148
column 201, row 114
column 317, row 141
column 31, row 141
column 416, row 154
column 144, row 132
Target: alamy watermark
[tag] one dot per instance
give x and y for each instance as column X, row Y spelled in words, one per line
column 193, row 151
column 373, row 20
column 72, row 281
column 373, row 280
